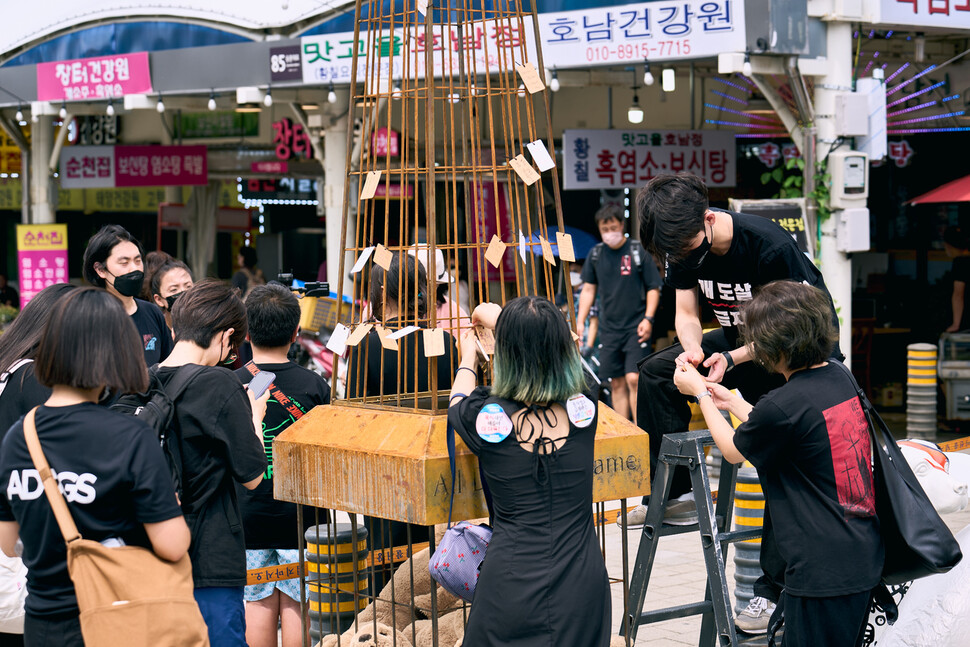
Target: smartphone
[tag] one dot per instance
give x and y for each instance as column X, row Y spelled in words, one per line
column 261, row 382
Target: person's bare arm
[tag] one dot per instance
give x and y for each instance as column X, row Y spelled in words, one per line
column 587, row 297
column 687, row 323
column 170, row 539
column 9, row 533
column 956, row 303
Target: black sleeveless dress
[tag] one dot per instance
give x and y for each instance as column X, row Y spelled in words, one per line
column 543, row 581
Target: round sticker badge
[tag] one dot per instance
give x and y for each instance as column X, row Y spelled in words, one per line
column 580, row 410
column 493, row 424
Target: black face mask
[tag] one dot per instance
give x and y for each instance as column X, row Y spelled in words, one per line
column 695, row 257
column 129, row 284
column 171, row 299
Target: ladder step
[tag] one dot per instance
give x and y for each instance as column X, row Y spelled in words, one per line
column 680, row 611
column 739, row 535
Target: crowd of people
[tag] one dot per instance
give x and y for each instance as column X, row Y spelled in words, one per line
column 73, row 353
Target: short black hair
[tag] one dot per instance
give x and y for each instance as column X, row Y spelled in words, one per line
column 99, row 249
column 22, row 335
column 609, row 212
column 91, row 342
column 408, row 288
column 159, row 274
column 273, row 313
column 789, row 325
column 671, row 209
column 249, row 257
column 209, row 307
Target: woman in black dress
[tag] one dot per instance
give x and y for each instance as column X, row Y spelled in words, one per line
column 543, row 582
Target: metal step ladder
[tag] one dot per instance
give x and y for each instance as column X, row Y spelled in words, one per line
column 714, row 523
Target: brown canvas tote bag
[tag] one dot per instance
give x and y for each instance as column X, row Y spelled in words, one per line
column 126, row 595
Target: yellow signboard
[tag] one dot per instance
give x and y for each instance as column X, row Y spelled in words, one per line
column 41, row 238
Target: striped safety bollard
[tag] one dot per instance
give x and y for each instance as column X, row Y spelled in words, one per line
column 336, row 577
column 749, row 512
column 921, row 390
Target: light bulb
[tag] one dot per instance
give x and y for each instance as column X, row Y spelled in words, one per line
column 62, row 113
column 454, row 97
column 212, row 102
column 160, row 106
column 110, row 110
column 647, row 75
column 554, row 82
column 396, row 92
column 668, row 79
column 634, row 113
column 331, row 96
column 268, row 99
column 521, row 90
column 20, row 115
column 746, row 68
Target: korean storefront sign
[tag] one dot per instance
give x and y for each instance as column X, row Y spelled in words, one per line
column 661, row 30
column 291, row 140
column 385, row 142
column 41, row 258
column 93, row 167
column 102, row 77
column 945, row 14
column 603, row 159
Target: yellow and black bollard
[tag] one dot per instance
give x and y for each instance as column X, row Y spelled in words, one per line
column 336, row 577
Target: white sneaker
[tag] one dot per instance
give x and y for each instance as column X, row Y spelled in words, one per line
column 634, row 518
column 753, row 619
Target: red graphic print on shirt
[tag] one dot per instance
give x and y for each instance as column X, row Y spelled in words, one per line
column 626, row 265
column 851, row 458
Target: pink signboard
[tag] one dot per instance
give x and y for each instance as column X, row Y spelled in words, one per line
column 41, row 258
column 102, row 77
column 386, row 142
column 395, row 191
column 105, row 167
column 278, row 168
column 491, row 204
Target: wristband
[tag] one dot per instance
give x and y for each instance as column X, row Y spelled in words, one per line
column 466, row 368
column 729, row 360
column 699, row 396
column 648, row 318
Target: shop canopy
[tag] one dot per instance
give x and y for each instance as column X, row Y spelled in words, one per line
column 955, row 191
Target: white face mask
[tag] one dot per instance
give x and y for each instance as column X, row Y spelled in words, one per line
column 613, row 239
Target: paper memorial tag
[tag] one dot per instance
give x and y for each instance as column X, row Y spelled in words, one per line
column 434, row 342
column 383, row 257
column 422, row 6
column 547, row 254
column 540, row 155
column 565, row 244
column 524, row 170
column 384, row 335
column 338, row 339
column 486, row 339
column 574, row 335
column 493, row 424
column 522, row 246
column 580, row 410
column 370, row 185
column 359, row 333
column 362, row 259
column 403, row 332
column 530, row 77
column 495, row 251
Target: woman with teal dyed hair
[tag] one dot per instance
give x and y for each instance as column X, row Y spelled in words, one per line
column 543, row 580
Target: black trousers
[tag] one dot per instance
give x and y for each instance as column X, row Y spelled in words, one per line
column 837, row 621
column 63, row 631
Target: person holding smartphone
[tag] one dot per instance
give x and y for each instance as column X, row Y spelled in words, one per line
column 219, row 425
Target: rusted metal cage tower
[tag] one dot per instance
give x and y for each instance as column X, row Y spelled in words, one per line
column 451, row 179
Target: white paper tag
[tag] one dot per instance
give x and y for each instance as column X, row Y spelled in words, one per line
column 338, row 340
column 403, row 332
column 422, row 7
column 493, row 424
column 580, row 410
column 362, row 260
column 522, row 246
column 540, row 155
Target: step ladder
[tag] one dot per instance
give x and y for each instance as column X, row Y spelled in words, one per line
column 714, row 523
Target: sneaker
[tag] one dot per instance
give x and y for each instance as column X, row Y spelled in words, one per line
column 754, row 618
column 681, row 511
column 634, row 518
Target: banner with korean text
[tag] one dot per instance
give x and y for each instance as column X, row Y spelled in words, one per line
column 610, row 159
column 102, row 77
column 101, row 167
column 949, row 15
column 663, row 30
column 41, row 258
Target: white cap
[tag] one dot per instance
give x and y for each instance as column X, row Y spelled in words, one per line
column 420, row 252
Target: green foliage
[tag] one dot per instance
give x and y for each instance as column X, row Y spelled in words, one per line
column 822, row 192
column 789, row 178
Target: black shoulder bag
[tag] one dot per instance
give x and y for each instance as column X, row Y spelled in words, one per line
column 918, row 542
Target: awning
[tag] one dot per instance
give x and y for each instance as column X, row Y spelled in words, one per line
column 955, row 191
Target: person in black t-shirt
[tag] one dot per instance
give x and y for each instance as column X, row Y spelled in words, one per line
column 113, row 261
column 809, row 440
column 629, row 286
column 219, row 427
column 273, row 313
column 109, row 466
column 955, row 243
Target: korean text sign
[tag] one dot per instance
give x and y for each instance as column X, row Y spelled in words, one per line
column 102, row 77
column 945, row 14
column 41, row 258
column 100, row 167
column 604, row 159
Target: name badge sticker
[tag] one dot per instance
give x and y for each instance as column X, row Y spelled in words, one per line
column 580, row 410
column 493, row 424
